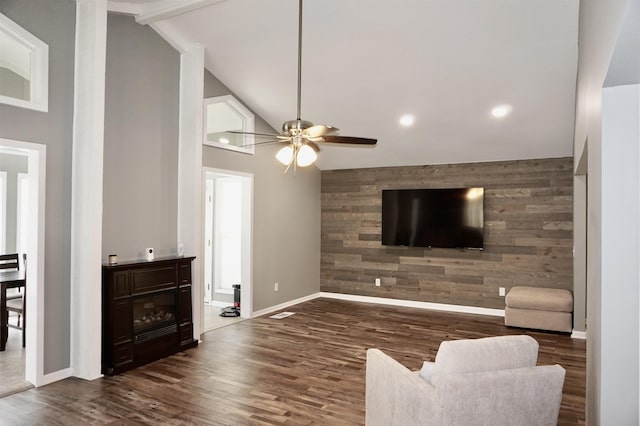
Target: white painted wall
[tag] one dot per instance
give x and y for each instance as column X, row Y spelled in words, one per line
column 579, row 253
column 620, row 239
column 600, row 22
column 189, row 219
column 86, row 200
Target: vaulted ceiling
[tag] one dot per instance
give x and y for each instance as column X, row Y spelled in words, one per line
column 366, row 63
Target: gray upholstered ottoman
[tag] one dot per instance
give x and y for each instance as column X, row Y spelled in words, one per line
column 539, row 308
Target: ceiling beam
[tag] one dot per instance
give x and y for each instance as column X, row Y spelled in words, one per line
column 169, row 10
column 125, row 8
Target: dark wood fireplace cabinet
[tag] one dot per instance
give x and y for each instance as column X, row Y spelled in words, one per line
column 146, row 312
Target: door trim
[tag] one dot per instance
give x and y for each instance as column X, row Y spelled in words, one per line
column 246, row 293
column 37, row 168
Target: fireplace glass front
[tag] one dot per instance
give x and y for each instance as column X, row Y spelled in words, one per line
column 154, row 315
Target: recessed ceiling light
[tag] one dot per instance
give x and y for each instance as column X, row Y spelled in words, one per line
column 407, row 120
column 501, row 111
column 223, row 140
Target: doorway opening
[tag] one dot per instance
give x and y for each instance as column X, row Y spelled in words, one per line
column 23, row 229
column 228, row 216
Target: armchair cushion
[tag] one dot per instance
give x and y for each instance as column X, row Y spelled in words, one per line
column 427, row 370
column 487, row 354
column 520, row 396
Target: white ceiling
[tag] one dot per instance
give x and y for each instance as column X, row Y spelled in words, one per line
column 367, row 62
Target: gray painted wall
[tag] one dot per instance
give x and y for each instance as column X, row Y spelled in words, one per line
column 12, row 164
column 53, row 23
column 141, row 142
column 286, row 221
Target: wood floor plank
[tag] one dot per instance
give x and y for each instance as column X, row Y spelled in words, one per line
column 306, row 369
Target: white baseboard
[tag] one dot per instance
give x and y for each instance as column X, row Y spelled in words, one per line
column 429, row 305
column 579, row 335
column 386, row 301
column 284, row 305
column 416, row 304
column 54, row 377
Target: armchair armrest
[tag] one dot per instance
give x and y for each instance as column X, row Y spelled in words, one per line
column 395, row 395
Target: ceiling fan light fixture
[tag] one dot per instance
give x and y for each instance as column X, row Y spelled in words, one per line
column 501, row 111
column 285, row 155
column 407, row 120
column 302, row 136
column 306, row 156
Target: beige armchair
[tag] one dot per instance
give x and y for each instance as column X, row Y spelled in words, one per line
column 491, row 381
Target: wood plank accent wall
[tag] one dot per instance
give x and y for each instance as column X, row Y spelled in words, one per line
column 528, row 234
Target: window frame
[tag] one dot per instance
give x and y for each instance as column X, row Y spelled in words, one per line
column 248, row 124
column 39, row 67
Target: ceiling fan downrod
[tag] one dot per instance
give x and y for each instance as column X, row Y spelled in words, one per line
column 299, row 59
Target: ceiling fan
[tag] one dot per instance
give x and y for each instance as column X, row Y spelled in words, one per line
column 300, row 136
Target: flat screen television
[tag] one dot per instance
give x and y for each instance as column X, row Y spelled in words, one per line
column 447, row 218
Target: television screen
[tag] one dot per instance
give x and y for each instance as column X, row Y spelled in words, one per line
column 449, row 218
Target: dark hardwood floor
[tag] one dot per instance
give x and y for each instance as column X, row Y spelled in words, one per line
column 308, row 368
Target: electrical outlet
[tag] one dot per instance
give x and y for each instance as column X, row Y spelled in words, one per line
column 501, row 291
column 377, row 282
column 275, row 286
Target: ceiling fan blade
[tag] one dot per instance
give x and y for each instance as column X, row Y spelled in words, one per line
column 318, row 130
column 349, row 139
column 268, row 135
column 264, row 143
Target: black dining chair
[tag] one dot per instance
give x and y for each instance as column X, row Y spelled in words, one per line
column 18, row 306
column 9, row 262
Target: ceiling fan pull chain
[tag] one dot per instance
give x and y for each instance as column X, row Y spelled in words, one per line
column 293, row 159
